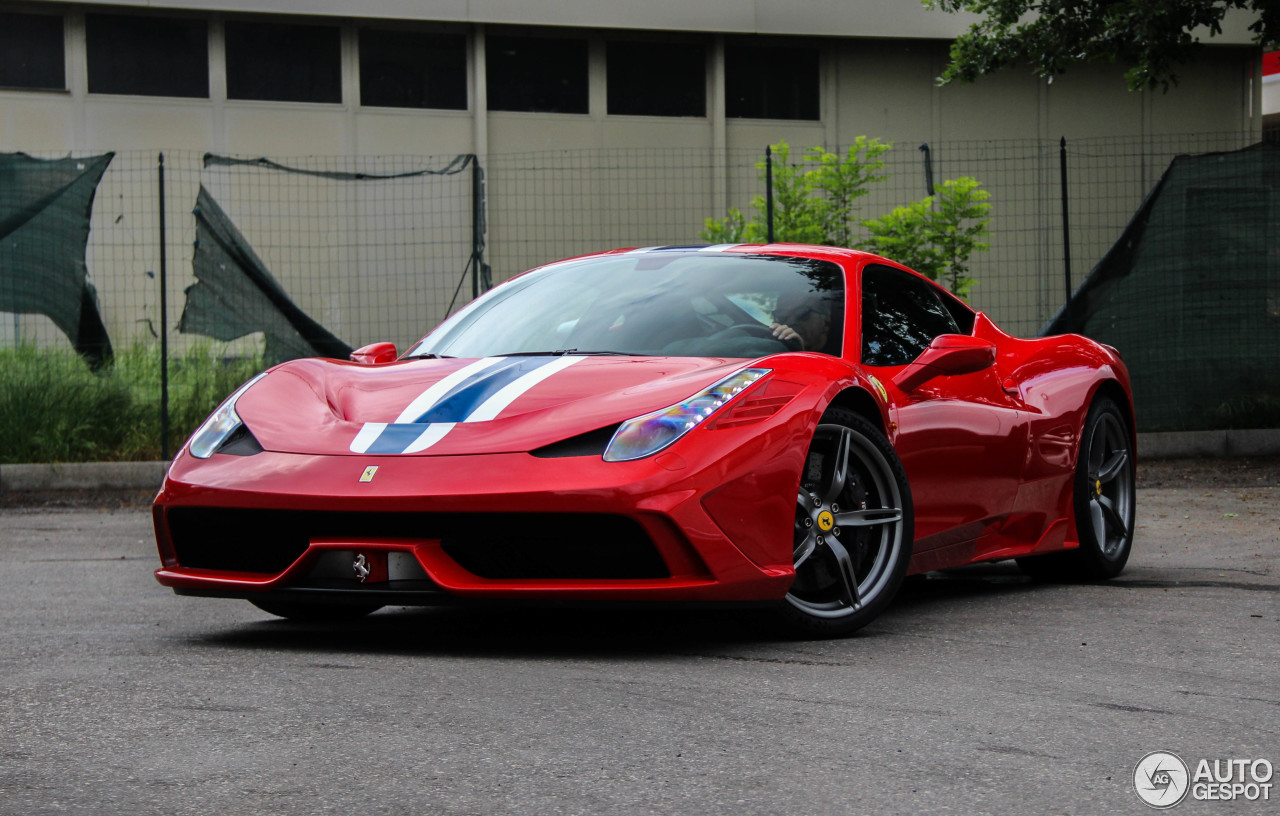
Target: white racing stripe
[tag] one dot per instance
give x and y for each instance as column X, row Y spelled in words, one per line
column 428, row 398
column 367, row 436
column 490, row 408
column 433, row 434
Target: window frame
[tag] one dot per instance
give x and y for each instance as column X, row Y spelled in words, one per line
column 113, row 11
column 342, row 29
column 66, row 45
column 522, row 33
column 639, row 39
column 779, row 43
column 468, row 53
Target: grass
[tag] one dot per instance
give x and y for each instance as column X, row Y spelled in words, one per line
column 54, row 409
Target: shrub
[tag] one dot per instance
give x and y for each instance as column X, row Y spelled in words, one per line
column 54, row 409
column 936, row 235
column 816, row 201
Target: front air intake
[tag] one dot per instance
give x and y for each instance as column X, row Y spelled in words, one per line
column 499, row 546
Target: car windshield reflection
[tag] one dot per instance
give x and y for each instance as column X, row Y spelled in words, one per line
column 681, row 304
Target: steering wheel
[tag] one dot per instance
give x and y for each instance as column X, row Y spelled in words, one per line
column 765, row 332
column 755, row 329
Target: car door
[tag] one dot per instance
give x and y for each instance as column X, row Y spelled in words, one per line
column 961, row 438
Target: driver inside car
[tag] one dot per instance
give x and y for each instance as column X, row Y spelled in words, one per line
column 801, row 322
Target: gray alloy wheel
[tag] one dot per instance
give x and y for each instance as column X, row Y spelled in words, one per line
column 853, row 528
column 1104, row 501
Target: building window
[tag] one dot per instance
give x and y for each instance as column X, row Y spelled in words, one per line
column 32, row 52
column 147, row 56
column 657, row 79
column 771, row 82
column 283, row 62
column 413, row 69
column 544, row 75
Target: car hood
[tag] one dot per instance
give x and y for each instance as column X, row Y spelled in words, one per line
column 462, row 406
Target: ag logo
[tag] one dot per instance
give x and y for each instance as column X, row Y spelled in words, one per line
column 1161, row 779
column 369, row 473
column 879, row 386
column 361, row 567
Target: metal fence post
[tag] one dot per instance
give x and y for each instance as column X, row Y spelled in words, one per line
column 768, row 192
column 928, row 168
column 164, row 327
column 1066, row 225
column 477, row 228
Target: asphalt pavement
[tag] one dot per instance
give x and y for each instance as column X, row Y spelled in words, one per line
column 978, row 692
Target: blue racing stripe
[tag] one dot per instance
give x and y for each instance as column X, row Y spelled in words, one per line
column 462, row 401
column 395, row 438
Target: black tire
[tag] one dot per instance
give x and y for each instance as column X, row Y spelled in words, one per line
column 849, row 562
column 1104, row 501
column 313, row 612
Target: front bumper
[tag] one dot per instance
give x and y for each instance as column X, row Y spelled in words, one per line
column 502, row 526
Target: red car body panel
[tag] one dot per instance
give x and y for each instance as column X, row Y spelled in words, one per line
column 989, row 455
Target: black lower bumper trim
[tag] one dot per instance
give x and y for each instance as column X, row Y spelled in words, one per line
column 329, row 595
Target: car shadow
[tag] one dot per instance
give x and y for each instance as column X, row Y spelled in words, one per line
column 606, row 632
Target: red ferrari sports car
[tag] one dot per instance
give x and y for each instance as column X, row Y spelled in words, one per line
column 794, row 426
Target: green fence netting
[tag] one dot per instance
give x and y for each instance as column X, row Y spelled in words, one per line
column 1190, row 294
column 235, row 295
column 44, row 228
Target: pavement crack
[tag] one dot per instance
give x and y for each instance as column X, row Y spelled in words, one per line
column 1134, row 709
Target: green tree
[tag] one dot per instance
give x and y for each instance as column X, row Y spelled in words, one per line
column 936, row 235
column 844, row 181
column 814, row 201
column 1153, row 39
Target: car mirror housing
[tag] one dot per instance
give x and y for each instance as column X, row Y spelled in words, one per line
column 375, row 354
column 946, row 356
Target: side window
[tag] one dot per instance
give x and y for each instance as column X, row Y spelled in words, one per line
column 901, row 315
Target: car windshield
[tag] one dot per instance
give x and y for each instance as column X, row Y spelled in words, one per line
column 657, row 302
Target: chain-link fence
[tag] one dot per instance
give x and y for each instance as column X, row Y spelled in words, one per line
column 317, row 255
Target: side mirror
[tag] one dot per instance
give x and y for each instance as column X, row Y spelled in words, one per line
column 947, row 355
column 375, row 354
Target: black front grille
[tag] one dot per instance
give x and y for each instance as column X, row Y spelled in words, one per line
column 264, row 541
column 560, row 545
column 545, row 546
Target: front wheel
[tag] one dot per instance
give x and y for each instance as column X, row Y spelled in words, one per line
column 1104, row 501
column 853, row 528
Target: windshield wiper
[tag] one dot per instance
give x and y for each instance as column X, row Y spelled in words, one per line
column 428, row 355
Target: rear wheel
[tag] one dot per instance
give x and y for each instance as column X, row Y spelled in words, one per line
column 316, row 612
column 1104, row 502
column 853, row 528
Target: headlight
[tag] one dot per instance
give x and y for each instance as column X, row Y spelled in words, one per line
column 648, row 434
column 220, row 424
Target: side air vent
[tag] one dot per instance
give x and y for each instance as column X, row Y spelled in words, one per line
column 591, row 443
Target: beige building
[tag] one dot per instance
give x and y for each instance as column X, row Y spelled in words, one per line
column 520, row 84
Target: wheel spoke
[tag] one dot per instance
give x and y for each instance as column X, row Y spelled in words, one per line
column 805, row 549
column 1112, row 518
column 868, row 518
column 1097, row 521
column 840, row 473
column 806, row 502
column 1113, row 467
column 848, row 578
